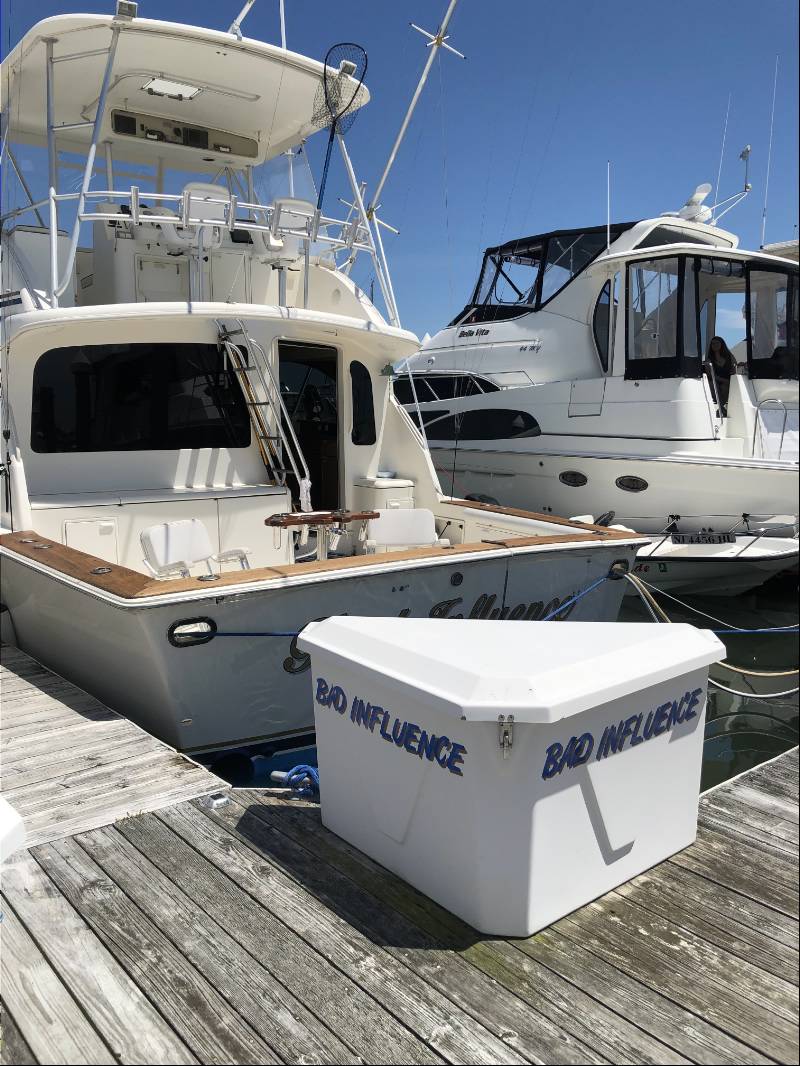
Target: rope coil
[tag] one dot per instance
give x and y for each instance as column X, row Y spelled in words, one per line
column 303, row 780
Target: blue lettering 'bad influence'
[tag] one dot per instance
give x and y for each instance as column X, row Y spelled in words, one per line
column 636, row 729
column 405, row 735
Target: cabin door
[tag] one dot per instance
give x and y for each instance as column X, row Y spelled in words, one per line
column 309, row 387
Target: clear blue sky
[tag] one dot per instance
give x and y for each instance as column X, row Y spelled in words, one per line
column 515, row 139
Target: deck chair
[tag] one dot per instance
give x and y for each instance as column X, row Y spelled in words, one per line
column 403, row 527
column 172, row 548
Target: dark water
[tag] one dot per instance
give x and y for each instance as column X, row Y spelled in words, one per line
column 741, row 731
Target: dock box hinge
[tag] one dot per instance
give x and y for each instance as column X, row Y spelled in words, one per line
column 505, row 723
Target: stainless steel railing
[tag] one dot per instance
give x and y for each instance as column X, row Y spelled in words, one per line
column 759, row 424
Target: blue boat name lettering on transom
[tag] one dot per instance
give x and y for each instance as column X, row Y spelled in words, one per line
column 635, row 729
column 405, row 735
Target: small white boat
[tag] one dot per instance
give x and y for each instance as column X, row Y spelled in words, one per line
column 709, row 564
column 726, row 565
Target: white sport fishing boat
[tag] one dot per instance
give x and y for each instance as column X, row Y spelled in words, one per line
column 578, row 377
column 189, row 369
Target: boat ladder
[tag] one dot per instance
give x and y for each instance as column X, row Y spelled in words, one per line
column 277, row 441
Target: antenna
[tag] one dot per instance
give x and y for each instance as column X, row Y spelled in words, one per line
column 608, row 205
column 722, row 149
column 436, row 41
column 737, row 197
column 769, row 155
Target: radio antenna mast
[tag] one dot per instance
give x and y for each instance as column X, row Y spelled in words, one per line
column 608, row 205
column 769, row 155
column 722, row 149
column 435, row 42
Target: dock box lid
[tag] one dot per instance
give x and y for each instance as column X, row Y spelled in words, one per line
column 538, row 671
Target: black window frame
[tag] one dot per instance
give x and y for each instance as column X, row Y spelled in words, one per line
column 674, row 366
column 603, row 247
column 475, row 312
column 791, row 292
column 681, row 361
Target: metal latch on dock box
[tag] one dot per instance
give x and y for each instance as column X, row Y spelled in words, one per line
column 505, row 724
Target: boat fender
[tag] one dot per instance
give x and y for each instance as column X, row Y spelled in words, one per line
column 20, row 501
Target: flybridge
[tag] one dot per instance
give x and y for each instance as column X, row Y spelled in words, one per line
column 184, row 75
column 165, row 104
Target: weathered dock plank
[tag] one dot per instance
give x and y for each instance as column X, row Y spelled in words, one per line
column 213, row 1030
column 116, row 1006
column 50, row 1021
column 418, row 929
column 71, row 764
column 247, row 932
column 474, row 994
column 301, row 822
column 450, row 1032
column 359, row 1021
column 279, row 1017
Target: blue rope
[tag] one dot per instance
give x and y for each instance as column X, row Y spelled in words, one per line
column 303, row 780
column 575, row 598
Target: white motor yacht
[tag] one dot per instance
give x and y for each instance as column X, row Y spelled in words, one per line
column 201, row 451
column 578, row 378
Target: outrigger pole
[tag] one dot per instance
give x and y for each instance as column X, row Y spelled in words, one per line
column 236, row 26
column 436, row 41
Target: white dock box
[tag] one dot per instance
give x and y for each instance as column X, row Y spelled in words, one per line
column 511, row 772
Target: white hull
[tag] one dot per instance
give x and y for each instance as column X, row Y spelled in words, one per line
column 234, row 690
column 707, row 493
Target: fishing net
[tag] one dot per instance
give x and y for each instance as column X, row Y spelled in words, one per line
column 339, row 96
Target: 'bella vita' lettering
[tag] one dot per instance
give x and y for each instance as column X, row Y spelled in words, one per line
column 403, row 734
column 631, row 731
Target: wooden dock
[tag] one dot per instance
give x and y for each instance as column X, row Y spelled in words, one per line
column 245, row 932
column 68, row 763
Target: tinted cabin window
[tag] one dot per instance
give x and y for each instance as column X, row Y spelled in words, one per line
column 136, row 397
column 487, row 424
column 440, row 387
column 363, row 407
column 601, row 323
